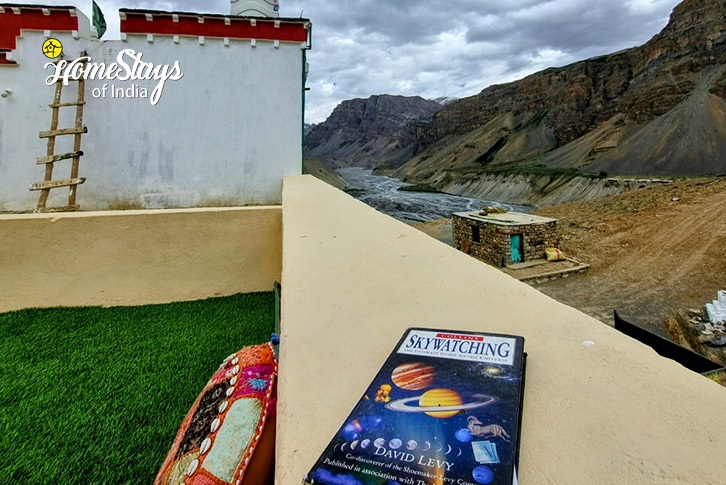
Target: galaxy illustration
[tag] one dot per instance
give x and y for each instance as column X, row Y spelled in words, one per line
column 441, row 418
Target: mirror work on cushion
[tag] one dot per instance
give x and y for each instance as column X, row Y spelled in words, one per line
column 228, row 436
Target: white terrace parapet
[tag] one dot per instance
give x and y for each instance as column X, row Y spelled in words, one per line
column 255, row 8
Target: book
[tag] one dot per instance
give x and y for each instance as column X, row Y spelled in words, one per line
column 445, row 408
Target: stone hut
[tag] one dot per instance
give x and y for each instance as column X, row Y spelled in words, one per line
column 506, row 238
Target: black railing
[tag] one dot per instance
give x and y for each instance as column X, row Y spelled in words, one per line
column 664, row 347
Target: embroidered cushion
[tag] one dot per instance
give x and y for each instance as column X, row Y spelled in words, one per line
column 228, row 436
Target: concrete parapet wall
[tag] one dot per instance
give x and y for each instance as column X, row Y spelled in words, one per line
column 137, row 257
column 600, row 408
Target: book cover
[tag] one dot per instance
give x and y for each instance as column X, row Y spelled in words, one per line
column 445, row 408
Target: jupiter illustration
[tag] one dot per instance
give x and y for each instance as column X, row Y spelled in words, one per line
column 413, row 376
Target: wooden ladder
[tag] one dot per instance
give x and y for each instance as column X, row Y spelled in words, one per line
column 51, row 157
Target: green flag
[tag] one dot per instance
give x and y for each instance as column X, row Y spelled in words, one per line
column 99, row 22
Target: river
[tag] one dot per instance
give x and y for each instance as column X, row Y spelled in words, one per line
column 381, row 193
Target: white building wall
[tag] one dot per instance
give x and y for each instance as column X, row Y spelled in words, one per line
column 226, row 133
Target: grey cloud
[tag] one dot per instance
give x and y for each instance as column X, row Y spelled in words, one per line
column 441, row 47
column 580, row 30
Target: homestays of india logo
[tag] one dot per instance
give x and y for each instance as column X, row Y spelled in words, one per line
column 129, row 66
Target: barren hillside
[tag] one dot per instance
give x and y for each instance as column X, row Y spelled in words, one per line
column 652, row 251
column 654, row 109
column 368, row 132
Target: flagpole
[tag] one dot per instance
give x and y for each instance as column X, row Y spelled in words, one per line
column 94, row 31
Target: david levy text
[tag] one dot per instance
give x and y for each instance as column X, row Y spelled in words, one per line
column 121, row 70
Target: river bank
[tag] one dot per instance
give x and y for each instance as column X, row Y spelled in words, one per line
column 535, row 190
column 382, row 193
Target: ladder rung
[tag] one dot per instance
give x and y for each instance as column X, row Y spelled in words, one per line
column 62, row 82
column 62, row 105
column 52, row 184
column 64, row 131
column 66, row 208
column 57, row 158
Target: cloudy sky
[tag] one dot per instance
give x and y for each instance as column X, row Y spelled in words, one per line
column 435, row 48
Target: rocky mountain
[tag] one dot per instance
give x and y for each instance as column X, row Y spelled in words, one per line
column 655, row 109
column 444, row 100
column 380, row 130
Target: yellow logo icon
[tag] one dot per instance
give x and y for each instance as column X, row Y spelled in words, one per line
column 52, row 48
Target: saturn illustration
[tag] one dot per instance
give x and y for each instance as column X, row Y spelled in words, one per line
column 439, row 403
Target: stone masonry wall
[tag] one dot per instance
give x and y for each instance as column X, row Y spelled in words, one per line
column 494, row 246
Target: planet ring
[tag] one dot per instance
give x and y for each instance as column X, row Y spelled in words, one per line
column 402, row 405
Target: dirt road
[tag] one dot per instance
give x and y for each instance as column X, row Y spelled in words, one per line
column 652, row 251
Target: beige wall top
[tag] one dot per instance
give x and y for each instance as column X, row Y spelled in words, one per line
column 609, row 413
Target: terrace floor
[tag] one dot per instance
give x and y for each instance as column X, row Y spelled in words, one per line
column 599, row 407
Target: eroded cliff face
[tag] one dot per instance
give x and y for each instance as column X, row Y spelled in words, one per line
column 542, row 190
column 654, row 109
column 368, row 132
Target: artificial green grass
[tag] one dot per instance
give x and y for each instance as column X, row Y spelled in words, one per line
column 95, row 395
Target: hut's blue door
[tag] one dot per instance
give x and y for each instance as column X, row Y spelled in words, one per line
column 517, row 246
